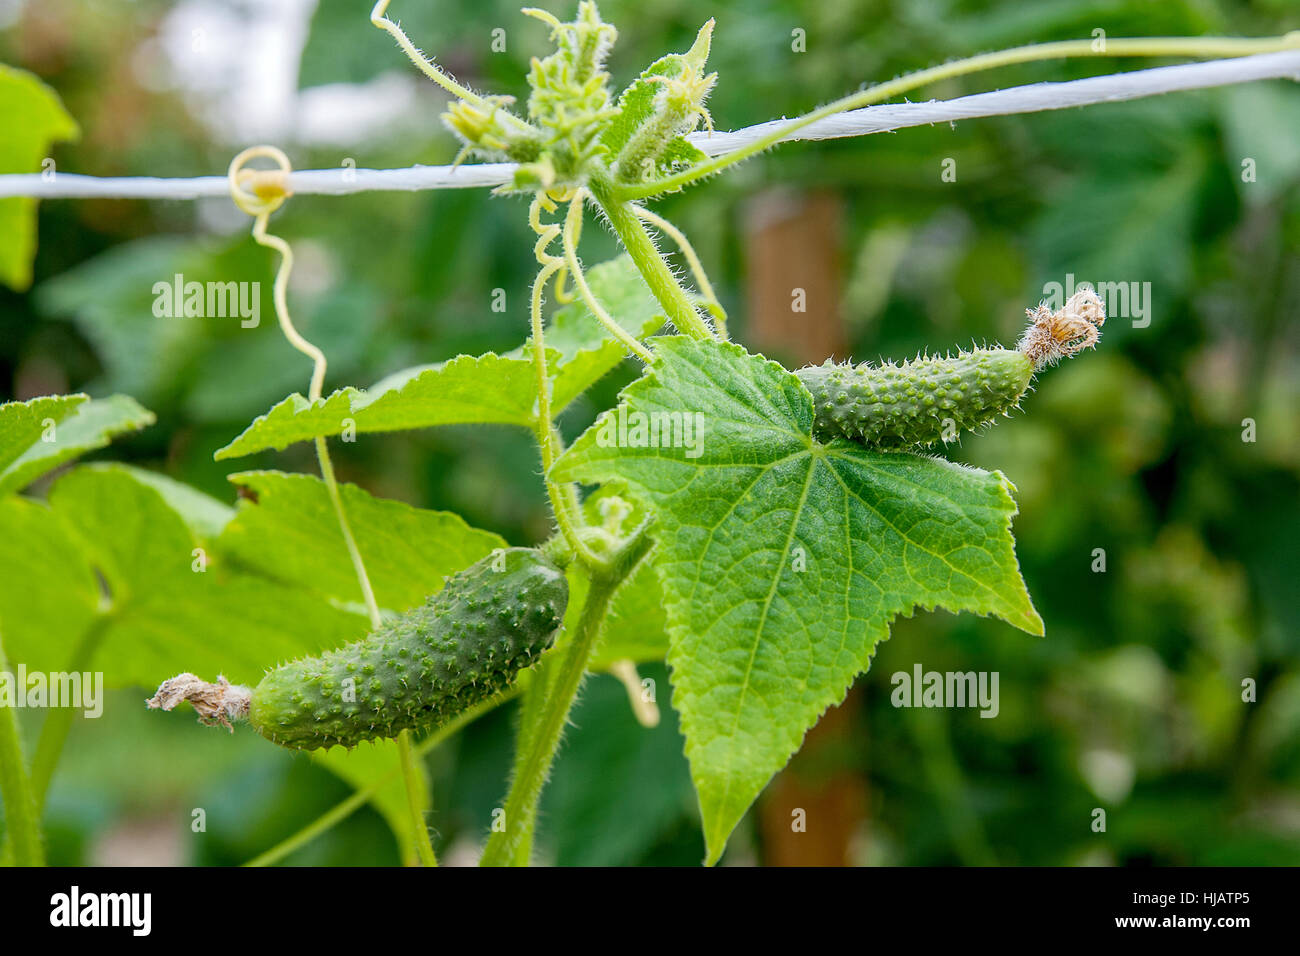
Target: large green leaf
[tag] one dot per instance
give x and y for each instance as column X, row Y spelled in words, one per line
column 49, row 594
column 34, row 118
column 38, row 436
column 783, row 560
column 23, row 423
column 169, row 606
column 485, row 389
column 289, row 532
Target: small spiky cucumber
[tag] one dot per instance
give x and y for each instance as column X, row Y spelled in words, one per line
column 462, row 646
column 918, row 402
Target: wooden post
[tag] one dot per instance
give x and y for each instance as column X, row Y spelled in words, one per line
column 793, row 245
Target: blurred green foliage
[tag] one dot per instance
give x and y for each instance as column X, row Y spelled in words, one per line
column 1132, row 702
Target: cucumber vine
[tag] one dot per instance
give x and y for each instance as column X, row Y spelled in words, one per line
column 781, row 519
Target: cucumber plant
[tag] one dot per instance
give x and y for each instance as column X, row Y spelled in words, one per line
column 780, row 519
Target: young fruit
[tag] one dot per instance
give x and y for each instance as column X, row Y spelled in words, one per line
column 933, row 399
column 462, row 646
column 918, row 402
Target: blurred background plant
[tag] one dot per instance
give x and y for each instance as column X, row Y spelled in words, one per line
column 1133, row 701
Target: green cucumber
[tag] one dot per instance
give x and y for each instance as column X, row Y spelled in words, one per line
column 462, row 646
column 918, row 402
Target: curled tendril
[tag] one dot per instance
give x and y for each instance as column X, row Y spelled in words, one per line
column 259, row 191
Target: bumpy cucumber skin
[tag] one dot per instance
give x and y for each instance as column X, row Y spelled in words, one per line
column 462, row 646
column 905, row 406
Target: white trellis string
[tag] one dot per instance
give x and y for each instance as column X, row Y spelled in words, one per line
column 871, row 119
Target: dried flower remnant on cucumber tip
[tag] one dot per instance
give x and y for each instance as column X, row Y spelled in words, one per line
column 217, row 704
column 1052, row 336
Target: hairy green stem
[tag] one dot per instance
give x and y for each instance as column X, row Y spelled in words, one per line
column 415, row 799
column 531, row 714
column 654, row 270
column 572, row 226
column 21, row 816
column 535, row 756
column 1138, row 46
column 693, row 261
column 358, row 565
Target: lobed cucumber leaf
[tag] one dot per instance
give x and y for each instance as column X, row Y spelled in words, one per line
column 783, row 561
column 156, row 615
column 290, row 534
column 488, row 389
column 78, row 425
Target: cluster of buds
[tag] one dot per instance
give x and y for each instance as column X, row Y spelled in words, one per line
column 569, row 106
column 574, row 128
column 665, row 103
column 494, row 133
column 570, row 101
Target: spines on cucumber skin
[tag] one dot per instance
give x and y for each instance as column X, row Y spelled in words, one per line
column 462, row 646
column 915, row 403
column 931, row 399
